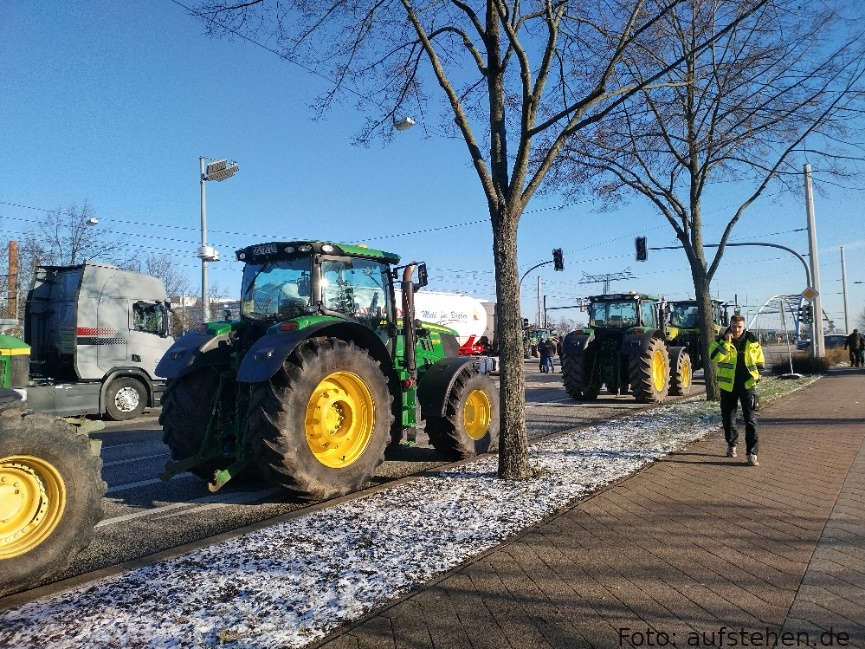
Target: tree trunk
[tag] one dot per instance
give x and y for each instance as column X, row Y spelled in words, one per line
column 707, row 333
column 513, row 447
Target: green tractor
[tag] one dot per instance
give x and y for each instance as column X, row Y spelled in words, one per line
column 319, row 374
column 684, row 326
column 625, row 346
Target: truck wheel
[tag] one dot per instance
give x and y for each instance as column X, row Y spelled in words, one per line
column 471, row 421
column 186, row 406
column 51, row 493
column 125, row 398
column 650, row 373
column 680, row 371
column 320, row 425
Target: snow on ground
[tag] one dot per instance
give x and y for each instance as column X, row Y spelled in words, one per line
column 290, row 584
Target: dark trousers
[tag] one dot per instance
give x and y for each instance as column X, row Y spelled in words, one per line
column 729, row 401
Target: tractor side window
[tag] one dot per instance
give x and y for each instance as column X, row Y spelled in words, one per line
column 649, row 314
column 356, row 288
column 149, row 317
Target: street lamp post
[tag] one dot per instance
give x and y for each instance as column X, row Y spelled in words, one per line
column 218, row 171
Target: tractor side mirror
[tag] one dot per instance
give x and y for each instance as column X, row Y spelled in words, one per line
column 422, row 277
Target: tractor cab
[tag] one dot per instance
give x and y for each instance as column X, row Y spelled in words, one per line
column 286, row 281
column 623, row 311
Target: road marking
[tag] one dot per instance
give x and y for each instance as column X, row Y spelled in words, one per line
column 218, row 500
column 143, row 483
column 134, row 459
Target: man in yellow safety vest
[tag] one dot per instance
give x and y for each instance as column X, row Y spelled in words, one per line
column 739, row 359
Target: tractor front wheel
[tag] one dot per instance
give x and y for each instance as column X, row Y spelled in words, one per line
column 320, row 425
column 680, row 371
column 187, row 405
column 650, row 373
column 470, row 424
column 51, row 493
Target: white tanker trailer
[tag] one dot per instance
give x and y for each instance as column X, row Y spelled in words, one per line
column 466, row 315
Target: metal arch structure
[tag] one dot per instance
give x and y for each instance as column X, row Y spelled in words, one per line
column 791, row 303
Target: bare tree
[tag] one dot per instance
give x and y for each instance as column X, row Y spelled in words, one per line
column 734, row 112
column 65, row 236
column 514, row 80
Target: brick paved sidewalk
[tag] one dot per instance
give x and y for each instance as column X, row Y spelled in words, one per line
column 692, row 547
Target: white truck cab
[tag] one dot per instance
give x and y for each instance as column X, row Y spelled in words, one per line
column 96, row 333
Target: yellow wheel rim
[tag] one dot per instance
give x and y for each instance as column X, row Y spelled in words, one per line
column 686, row 375
column 659, row 370
column 340, row 418
column 477, row 414
column 32, row 501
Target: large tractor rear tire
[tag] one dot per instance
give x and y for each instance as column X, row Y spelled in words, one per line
column 51, row 492
column 650, row 373
column 680, row 372
column 471, row 422
column 320, row 425
column 576, row 374
column 187, row 405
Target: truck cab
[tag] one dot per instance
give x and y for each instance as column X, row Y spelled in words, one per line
column 96, row 333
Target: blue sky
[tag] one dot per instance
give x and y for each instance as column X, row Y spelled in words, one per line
column 114, row 102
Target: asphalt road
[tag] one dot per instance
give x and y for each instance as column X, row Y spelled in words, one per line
column 145, row 515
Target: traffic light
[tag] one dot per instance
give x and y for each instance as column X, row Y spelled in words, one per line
column 640, row 243
column 525, row 323
column 558, row 260
column 806, row 314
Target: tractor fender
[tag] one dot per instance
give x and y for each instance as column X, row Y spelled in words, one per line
column 576, row 343
column 437, row 381
column 634, row 344
column 269, row 352
column 188, row 352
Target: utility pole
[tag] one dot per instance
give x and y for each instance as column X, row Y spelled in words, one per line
column 844, row 290
column 817, row 345
column 540, row 322
column 12, row 298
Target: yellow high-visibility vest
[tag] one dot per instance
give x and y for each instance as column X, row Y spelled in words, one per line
column 725, row 356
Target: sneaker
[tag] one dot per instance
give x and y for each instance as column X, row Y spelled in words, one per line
column 752, row 460
column 731, row 451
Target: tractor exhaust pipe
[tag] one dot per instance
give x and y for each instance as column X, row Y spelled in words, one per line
column 408, row 319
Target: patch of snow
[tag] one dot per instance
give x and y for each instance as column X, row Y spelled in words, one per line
column 292, row 583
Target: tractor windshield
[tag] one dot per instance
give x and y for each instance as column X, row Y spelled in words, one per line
column 685, row 315
column 357, row 288
column 275, row 290
column 613, row 314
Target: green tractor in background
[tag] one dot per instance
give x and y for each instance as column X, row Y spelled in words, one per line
column 319, row 374
column 625, row 347
column 684, row 326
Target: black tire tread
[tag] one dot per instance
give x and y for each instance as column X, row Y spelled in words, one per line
column 186, row 409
